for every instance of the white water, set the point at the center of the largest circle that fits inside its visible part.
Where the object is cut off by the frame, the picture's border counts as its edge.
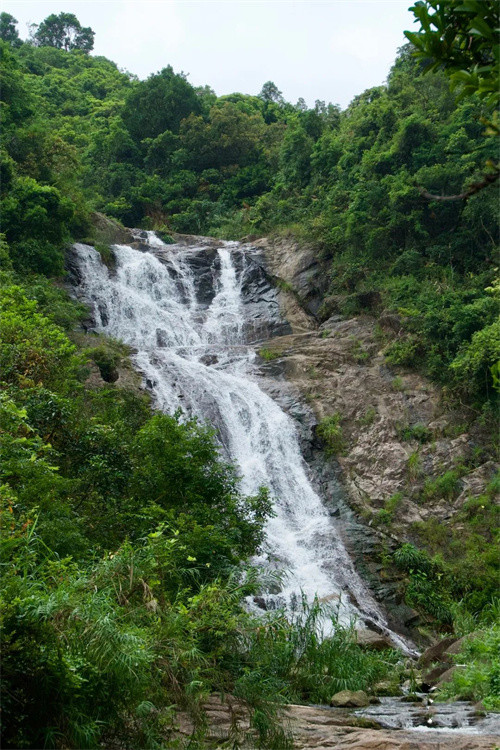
(196, 359)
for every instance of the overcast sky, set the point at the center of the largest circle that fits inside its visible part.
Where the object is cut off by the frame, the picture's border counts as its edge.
(329, 50)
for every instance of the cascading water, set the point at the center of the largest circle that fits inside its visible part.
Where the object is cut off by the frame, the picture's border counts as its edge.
(195, 357)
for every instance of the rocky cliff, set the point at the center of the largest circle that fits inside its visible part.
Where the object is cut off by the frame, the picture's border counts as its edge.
(408, 461)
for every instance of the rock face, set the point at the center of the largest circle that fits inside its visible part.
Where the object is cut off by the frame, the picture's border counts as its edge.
(264, 318)
(396, 432)
(298, 266)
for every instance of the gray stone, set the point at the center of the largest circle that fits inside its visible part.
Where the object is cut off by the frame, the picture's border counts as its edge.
(432, 677)
(436, 651)
(372, 641)
(350, 699)
(448, 675)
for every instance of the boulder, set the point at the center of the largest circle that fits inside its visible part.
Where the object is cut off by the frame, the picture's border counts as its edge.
(412, 698)
(432, 678)
(386, 688)
(350, 699)
(436, 651)
(458, 645)
(448, 675)
(372, 641)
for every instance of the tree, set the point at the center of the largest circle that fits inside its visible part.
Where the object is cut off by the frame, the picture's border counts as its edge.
(461, 37)
(271, 93)
(159, 104)
(64, 32)
(8, 30)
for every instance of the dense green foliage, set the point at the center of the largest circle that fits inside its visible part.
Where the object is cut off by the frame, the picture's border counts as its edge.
(80, 135)
(460, 37)
(126, 539)
(64, 32)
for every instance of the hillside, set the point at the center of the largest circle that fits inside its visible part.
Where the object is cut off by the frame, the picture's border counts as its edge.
(128, 541)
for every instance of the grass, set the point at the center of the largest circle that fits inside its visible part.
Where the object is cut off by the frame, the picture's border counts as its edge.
(330, 432)
(414, 465)
(285, 286)
(359, 353)
(397, 384)
(445, 487)
(313, 668)
(268, 355)
(106, 253)
(385, 514)
(368, 417)
(418, 432)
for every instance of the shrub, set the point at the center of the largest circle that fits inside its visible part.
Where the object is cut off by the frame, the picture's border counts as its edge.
(107, 361)
(479, 678)
(329, 430)
(406, 351)
(418, 432)
(33, 351)
(445, 487)
(368, 417)
(268, 355)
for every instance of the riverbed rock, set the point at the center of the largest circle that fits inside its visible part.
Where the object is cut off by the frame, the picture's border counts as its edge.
(386, 687)
(448, 675)
(322, 728)
(436, 651)
(350, 699)
(432, 678)
(372, 641)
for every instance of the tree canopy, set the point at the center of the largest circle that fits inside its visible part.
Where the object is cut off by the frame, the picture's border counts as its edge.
(461, 37)
(64, 31)
(8, 29)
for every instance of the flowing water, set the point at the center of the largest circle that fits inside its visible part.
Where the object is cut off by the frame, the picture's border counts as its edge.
(195, 355)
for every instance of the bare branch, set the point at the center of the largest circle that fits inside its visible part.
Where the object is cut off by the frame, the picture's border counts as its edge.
(476, 187)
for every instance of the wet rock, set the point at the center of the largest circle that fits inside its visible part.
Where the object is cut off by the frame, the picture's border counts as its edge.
(260, 602)
(350, 699)
(329, 598)
(209, 359)
(432, 678)
(372, 641)
(412, 698)
(161, 338)
(386, 687)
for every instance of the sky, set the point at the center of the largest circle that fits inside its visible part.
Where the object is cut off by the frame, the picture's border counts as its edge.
(330, 50)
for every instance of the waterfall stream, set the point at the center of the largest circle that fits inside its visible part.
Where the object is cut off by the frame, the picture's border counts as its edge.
(194, 354)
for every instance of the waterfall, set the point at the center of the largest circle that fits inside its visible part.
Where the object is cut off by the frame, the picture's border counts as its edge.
(194, 355)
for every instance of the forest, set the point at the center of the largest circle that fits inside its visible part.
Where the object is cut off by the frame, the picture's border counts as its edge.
(126, 539)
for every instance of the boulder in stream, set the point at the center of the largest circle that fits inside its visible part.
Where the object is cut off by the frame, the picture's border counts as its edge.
(350, 699)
